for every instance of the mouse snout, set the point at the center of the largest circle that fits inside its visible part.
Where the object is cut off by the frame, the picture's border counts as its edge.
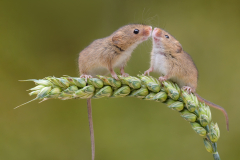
(147, 31)
(157, 32)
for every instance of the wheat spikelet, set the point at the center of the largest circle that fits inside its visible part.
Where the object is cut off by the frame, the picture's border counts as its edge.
(143, 87)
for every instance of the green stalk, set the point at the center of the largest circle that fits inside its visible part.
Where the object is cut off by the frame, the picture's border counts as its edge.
(214, 146)
(143, 87)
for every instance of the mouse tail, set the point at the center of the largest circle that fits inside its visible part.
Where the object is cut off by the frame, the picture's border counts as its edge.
(214, 106)
(90, 120)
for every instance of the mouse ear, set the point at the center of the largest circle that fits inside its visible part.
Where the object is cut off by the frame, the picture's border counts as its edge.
(116, 39)
(179, 48)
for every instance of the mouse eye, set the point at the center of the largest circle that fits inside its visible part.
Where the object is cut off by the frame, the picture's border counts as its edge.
(166, 36)
(136, 31)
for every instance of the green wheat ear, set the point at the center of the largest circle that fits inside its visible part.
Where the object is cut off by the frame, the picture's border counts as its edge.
(143, 87)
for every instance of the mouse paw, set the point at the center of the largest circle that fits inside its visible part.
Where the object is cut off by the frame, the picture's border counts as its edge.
(188, 89)
(148, 71)
(125, 74)
(115, 76)
(85, 76)
(161, 79)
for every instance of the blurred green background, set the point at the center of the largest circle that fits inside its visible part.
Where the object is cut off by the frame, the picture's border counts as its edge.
(43, 38)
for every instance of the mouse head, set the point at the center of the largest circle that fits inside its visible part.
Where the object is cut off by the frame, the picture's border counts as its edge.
(165, 42)
(131, 35)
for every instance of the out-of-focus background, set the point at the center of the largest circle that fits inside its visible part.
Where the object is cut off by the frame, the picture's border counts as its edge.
(43, 38)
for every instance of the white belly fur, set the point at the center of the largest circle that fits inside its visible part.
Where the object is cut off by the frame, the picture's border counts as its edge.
(160, 63)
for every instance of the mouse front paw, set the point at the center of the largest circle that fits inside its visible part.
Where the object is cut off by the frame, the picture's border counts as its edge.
(148, 71)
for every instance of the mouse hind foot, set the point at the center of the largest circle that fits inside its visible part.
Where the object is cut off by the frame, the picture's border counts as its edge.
(85, 76)
(125, 74)
(162, 78)
(188, 89)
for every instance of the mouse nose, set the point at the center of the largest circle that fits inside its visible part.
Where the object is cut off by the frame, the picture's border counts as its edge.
(157, 32)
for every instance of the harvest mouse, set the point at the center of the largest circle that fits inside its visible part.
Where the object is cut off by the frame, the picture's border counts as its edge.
(105, 54)
(169, 59)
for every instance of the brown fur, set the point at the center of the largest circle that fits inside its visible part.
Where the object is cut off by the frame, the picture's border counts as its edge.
(173, 63)
(106, 52)
(179, 65)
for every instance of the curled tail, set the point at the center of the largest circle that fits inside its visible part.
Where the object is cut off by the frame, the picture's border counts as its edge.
(214, 106)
